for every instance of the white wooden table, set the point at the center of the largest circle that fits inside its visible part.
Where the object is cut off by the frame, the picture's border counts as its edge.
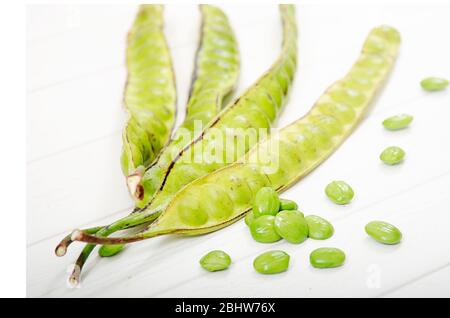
(75, 80)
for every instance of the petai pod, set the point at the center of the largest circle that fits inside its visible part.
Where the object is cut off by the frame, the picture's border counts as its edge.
(215, 75)
(302, 146)
(150, 93)
(253, 112)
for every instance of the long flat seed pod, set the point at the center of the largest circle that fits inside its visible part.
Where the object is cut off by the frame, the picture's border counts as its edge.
(257, 108)
(221, 198)
(215, 75)
(150, 94)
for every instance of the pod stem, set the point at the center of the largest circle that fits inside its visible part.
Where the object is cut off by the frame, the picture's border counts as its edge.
(127, 222)
(61, 248)
(81, 236)
(74, 278)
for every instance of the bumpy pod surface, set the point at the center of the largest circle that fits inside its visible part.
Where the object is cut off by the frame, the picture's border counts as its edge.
(254, 111)
(150, 94)
(215, 75)
(221, 198)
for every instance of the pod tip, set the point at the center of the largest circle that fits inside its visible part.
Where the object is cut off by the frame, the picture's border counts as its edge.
(60, 250)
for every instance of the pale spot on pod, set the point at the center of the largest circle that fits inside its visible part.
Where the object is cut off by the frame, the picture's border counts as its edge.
(317, 135)
(254, 177)
(238, 189)
(301, 144)
(358, 83)
(361, 72)
(347, 96)
(371, 61)
(375, 44)
(344, 113)
(328, 123)
(388, 33)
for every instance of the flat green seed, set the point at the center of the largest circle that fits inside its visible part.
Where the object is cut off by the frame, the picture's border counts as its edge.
(397, 122)
(383, 232)
(249, 217)
(288, 205)
(392, 155)
(327, 257)
(266, 202)
(271, 262)
(434, 84)
(319, 228)
(339, 192)
(263, 229)
(215, 261)
(110, 250)
(291, 225)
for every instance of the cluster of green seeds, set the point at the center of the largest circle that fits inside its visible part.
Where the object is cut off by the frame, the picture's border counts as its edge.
(273, 219)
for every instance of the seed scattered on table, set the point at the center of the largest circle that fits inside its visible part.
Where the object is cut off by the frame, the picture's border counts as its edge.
(433, 84)
(215, 261)
(271, 262)
(327, 257)
(397, 122)
(392, 155)
(383, 232)
(339, 192)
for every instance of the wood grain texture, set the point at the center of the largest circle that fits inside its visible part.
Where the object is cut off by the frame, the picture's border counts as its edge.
(75, 79)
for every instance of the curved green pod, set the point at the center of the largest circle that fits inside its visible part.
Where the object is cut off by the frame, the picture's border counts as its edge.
(215, 75)
(302, 146)
(150, 93)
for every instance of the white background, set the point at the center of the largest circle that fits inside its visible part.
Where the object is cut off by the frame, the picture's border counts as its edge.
(75, 78)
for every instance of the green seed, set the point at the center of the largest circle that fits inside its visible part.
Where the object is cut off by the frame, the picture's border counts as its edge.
(287, 205)
(392, 155)
(434, 84)
(291, 225)
(263, 229)
(215, 261)
(249, 217)
(339, 192)
(384, 232)
(397, 122)
(319, 228)
(327, 257)
(110, 250)
(266, 202)
(271, 262)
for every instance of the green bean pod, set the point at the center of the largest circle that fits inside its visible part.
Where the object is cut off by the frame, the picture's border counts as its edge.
(150, 93)
(215, 75)
(223, 197)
